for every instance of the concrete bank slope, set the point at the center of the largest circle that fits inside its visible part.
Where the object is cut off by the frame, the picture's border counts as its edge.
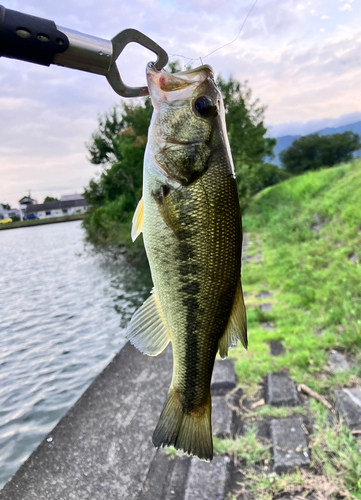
(41, 222)
(102, 448)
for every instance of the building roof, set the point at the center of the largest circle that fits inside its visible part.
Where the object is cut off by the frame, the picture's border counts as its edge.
(53, 205)
(71, 197)
(27, 199)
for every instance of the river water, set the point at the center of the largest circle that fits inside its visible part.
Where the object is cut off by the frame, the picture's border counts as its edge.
(63, 313)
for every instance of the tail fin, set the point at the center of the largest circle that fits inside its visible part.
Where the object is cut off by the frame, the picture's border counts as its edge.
(190, 432)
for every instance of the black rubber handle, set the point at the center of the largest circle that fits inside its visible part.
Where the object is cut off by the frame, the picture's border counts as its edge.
(30, 38)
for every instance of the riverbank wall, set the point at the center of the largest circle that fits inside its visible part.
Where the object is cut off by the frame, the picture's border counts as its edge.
(41, 222)
(102, 448)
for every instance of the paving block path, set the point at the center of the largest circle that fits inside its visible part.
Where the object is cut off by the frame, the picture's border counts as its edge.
(177, 482)
(337, 362)
(222, 418)
(208, 481)
(289, 444)
(276, 348)
(281, 390)
(223, 378)
(183, 478)
(264, 294)
(159, 474)
(349, 405)
(267, 308)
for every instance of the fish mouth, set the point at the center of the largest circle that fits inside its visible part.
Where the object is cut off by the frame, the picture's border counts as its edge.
(164, 86)
(169, 82)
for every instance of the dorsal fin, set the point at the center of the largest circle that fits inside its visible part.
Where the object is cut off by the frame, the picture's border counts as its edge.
(147, 330)
(237, 325)
(137, 226)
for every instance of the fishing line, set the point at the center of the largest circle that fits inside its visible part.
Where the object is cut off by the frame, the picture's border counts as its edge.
(189, 59)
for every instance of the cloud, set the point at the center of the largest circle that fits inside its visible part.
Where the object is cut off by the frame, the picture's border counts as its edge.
(13, 104)
(317, 81)
(47, 114)
(346, 6)
(324, 17)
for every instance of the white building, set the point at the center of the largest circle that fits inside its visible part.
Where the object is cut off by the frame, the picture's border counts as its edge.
(24, 203)
(14, 212)
(68, 205)
(71, 197)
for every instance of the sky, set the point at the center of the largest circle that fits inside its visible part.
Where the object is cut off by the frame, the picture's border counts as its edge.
(302, 60)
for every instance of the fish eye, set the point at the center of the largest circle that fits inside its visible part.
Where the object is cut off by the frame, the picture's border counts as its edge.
(204, 106)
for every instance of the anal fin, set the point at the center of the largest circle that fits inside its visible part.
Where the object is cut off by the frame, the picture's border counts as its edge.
(237, 325)
(147, 329)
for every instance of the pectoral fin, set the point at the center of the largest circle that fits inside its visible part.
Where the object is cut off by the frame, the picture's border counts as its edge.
(147, 330)
(137, 226)
(237, 325)
(161, 197)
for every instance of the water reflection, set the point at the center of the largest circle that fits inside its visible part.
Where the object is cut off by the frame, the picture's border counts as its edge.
(62, 319)
(131, 283)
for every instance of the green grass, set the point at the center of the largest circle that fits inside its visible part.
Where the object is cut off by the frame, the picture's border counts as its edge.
(267, 411)
(314, 284)
(172, 452)
(247, 448)
(335, 451)
(335, 470)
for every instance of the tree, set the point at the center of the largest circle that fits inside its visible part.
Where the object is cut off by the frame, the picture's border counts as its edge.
(246, 133)
(49, 199)
(118, 145)
(265, 175)
(105, 144)
(6, 206)
(314, 151)
(244, 118)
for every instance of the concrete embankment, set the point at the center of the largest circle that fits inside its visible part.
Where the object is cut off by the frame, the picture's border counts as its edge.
(41, 222)
(102, 448)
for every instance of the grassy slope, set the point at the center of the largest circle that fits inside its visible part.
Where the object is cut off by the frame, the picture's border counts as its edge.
(314, 284)
(316, 307)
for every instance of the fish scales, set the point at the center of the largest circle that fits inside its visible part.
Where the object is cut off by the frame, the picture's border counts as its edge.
(191, 225)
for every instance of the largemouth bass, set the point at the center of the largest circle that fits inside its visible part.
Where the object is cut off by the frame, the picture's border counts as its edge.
(191, 224)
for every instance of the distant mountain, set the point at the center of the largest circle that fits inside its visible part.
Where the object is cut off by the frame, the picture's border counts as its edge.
(352, 127)
(285, 141)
